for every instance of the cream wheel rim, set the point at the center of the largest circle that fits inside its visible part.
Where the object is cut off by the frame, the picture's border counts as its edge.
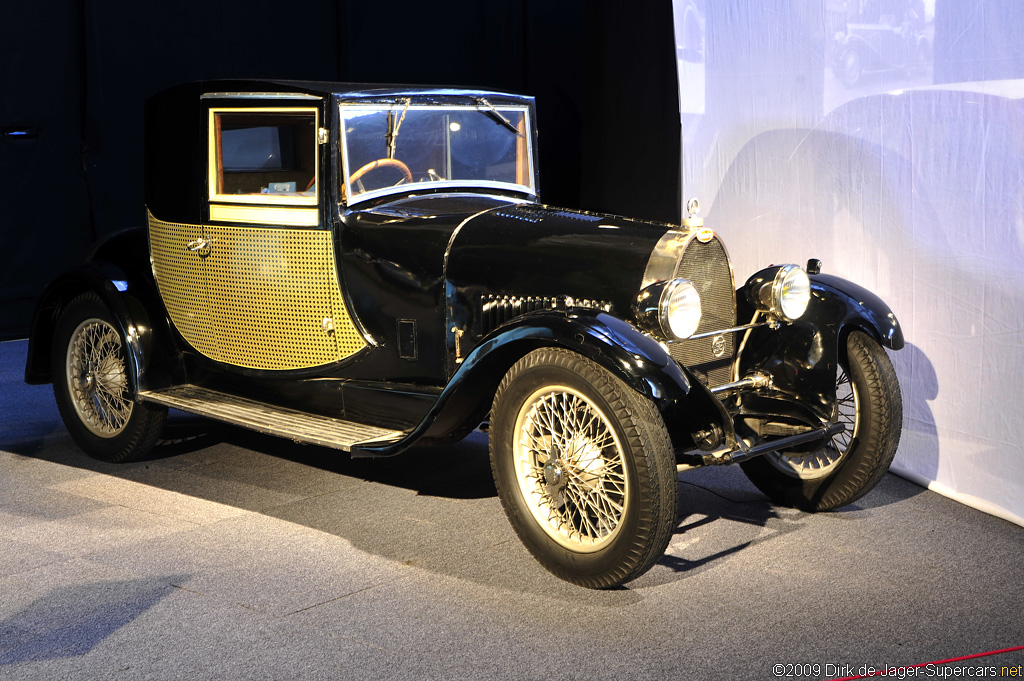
(96, 378)
(570, 467)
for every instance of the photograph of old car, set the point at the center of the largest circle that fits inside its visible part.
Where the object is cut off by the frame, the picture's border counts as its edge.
(884, 40)
(370, 268)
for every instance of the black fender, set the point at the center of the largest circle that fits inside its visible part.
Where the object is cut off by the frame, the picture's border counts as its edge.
(860, 308)
(802, 357)
(130, 296)
(642, 363)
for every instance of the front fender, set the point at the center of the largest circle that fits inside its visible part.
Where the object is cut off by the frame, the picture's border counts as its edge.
(855, 306)
(802, 357)
(642, 363)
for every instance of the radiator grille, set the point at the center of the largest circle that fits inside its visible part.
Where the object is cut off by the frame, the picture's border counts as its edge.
(707, 266)
(255, 297)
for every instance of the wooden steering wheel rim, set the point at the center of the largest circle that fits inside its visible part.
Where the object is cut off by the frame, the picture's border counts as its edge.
(382, 163)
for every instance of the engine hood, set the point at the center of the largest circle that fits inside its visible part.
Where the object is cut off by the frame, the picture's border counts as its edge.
(536, 257)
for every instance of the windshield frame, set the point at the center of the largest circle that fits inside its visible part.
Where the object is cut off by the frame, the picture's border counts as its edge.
(483, 107)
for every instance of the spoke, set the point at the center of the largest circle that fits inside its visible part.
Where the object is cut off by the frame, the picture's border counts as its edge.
(537, 444)
(842, 379)
(584, 521)
(96, 378)
(586, 506)
(594, 503)
(110, 408)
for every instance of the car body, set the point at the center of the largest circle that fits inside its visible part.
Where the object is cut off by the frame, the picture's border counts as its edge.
(370, 268)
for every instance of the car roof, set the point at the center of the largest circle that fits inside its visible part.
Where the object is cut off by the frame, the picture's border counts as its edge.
(176, 132)
(348, 91)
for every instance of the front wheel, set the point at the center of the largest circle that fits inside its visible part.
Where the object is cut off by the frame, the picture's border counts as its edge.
(92, 382)
(584, 469)
(850, 464)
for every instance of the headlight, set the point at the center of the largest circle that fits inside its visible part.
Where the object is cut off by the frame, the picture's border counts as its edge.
(783, 291)
(669, 308)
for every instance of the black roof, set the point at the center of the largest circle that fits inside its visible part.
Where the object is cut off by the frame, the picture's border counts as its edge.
(326, 89)
(175, 139)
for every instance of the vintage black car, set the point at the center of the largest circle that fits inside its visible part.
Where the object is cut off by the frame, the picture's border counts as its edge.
(370, 268)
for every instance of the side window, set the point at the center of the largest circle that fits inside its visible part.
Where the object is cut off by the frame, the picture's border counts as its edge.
(262, 157)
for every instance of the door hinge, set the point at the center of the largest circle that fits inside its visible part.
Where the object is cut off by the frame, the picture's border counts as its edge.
(458, 344)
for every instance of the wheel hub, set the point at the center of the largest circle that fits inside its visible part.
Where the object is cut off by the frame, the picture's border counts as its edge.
(569, 464)
(554, 473)
(96, 378)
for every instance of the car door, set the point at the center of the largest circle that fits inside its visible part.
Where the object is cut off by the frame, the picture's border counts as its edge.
(256, 285)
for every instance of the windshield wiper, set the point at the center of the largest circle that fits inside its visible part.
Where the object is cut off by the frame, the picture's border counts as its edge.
(497, 115)
(392, 135)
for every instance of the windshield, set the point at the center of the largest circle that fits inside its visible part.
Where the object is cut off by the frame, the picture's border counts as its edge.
(386, 147)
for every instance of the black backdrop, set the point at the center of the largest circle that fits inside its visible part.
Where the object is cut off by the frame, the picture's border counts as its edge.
(76, 74)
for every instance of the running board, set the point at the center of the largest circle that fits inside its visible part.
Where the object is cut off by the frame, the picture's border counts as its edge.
(271, 419)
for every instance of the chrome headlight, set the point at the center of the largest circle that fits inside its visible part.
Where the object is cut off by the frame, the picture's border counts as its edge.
(782, 291)
(669, 308)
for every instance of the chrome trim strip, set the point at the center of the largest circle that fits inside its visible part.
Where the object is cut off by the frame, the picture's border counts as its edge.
(259, 95)
(708, 334)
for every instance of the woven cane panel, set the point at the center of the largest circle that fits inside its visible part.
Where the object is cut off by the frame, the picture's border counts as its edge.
(179, 276)
(267, 294)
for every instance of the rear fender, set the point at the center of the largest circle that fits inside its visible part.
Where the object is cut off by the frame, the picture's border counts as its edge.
(136, 314)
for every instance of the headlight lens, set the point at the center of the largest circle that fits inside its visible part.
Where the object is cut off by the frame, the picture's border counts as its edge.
(783, 291)
(791, 292)
(679, 309)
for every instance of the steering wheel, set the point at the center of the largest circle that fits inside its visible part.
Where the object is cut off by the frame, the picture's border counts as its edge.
(382, 163)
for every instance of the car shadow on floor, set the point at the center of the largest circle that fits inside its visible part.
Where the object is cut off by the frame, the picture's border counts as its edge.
(433, 508)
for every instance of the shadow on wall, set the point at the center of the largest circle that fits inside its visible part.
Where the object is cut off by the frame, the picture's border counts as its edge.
(919, 448)
(916, 195)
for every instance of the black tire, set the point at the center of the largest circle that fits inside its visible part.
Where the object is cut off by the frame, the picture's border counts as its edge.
(851, 464)
(584, 469)
(92, 382)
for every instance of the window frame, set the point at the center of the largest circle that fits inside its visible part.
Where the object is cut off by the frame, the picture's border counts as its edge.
(277, 209)
(527, 141)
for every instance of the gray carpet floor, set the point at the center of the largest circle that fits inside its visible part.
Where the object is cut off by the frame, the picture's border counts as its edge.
(229, 555)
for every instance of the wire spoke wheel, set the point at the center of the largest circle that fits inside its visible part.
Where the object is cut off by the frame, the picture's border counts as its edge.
(94, 384)
(846, 467)
(96, 378)
(570, 468)
(822, 463)
(584, 468)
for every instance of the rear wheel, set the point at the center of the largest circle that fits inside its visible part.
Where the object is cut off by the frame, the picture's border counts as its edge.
(92, 382)
(584, 469)
(870, 404)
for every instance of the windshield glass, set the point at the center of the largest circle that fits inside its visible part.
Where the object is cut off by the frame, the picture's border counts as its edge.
(386, 147)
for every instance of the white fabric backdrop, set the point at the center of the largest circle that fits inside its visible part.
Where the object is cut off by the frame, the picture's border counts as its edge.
(910, 188)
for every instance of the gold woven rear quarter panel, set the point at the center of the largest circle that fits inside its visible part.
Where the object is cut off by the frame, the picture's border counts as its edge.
(257, 297)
